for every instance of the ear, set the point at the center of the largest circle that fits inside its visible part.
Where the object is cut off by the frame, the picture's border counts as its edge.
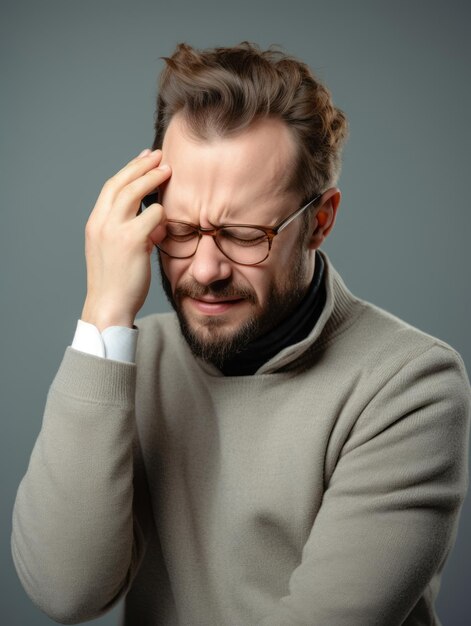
(325, 217)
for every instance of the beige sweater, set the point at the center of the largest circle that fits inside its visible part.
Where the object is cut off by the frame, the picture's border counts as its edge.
(324, 490)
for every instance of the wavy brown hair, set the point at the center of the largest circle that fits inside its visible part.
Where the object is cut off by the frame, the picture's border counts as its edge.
(222, 91)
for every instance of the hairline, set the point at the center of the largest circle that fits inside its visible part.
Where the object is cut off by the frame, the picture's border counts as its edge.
(193, 133)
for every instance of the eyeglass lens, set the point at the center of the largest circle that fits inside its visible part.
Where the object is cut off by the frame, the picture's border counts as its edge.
(241, 244)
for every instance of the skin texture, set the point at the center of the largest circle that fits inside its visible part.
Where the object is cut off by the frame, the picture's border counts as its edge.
(222, 305)
(119, 243)
(240, 179)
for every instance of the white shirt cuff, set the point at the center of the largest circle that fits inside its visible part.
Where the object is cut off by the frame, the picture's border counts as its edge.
(115, 342)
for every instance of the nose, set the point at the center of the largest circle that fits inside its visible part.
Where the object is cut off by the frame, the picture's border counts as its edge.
(209, 264)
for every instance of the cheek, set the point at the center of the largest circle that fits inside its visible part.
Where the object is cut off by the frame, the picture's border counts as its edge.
(259, 278)
(285, 246)
(173, 269)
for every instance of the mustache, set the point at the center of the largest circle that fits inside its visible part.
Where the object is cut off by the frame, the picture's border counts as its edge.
(220, 289)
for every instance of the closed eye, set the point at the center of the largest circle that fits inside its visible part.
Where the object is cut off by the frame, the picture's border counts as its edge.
(181, 232)
(243, 236)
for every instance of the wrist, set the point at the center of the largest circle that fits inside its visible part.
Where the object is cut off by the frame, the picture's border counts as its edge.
(102, 317)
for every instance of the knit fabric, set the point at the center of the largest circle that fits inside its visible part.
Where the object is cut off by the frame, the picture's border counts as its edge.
(324, 490)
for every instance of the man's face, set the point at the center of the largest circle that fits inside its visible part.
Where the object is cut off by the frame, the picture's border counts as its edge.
(223, 305)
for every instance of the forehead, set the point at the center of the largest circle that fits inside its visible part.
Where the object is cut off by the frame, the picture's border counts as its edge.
(222, 176)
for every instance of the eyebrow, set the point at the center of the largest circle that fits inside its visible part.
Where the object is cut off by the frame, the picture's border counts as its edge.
(154, 198)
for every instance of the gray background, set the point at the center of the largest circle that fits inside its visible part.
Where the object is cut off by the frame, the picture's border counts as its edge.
(78, 83)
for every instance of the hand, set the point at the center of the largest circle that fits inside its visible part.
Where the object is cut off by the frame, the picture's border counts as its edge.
(119, 243)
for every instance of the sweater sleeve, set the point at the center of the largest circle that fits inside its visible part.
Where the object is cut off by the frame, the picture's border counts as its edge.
(77, 539)
(390, 509)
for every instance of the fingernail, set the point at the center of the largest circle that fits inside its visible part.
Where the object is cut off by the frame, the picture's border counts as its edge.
(145, 152)
(164, 166)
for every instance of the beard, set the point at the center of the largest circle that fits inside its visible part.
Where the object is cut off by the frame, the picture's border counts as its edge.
(214, 343)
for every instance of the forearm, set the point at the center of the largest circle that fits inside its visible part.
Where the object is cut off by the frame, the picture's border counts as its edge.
(73, 525)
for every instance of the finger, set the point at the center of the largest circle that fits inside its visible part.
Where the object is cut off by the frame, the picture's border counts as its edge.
(158, 234)
(130, 197)
(134, 169)
(151, 223)
(145, 152)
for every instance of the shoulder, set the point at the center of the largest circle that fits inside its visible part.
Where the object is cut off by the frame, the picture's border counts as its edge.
(394, 358)
(385, 357)
(409, 393)
(412, 384)
(386, 337)
(373, 336)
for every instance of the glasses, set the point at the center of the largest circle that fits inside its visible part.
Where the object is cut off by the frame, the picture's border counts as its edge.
(245, 244)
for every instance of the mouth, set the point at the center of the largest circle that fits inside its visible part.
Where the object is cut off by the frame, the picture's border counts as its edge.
(209, 305)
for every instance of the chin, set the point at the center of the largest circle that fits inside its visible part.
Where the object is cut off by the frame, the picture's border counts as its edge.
(214, 340)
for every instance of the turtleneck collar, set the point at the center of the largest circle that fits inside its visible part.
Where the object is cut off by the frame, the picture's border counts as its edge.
(292, 330)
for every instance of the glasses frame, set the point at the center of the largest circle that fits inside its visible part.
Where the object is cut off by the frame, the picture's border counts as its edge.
(270, 231)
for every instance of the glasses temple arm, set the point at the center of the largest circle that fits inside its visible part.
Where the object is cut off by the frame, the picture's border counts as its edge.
(297, 213)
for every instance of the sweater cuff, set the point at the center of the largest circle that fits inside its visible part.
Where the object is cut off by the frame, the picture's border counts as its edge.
(94, 379)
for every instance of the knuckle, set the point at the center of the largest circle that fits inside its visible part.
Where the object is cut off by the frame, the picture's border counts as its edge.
(95, 231)
(90, 228)
(127, 193)
(109, 184)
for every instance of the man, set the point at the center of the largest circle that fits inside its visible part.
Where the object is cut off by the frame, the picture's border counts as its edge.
(278, 452)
